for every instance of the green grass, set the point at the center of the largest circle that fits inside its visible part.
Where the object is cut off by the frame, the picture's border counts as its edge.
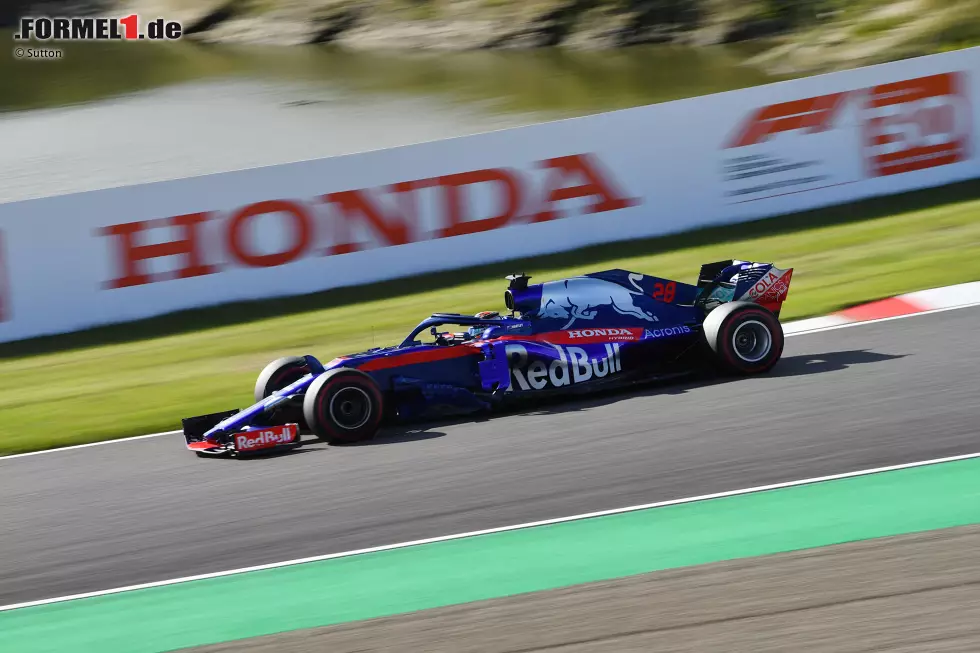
(879, 26)
(959, 29)
(143, 377)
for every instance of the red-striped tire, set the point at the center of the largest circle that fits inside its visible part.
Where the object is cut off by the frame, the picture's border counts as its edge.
(277, 375)
(343, 406)
(744, 338)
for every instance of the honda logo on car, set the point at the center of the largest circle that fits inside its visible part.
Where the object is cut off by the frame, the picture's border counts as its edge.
(574, 365)
(614, 334)
(266, 438)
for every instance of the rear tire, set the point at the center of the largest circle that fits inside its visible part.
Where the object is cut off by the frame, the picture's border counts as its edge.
(744, 338)
(277, 375)
(343, 406)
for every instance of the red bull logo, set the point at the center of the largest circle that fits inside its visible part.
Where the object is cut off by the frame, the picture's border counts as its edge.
(266, 438)
(573, 365)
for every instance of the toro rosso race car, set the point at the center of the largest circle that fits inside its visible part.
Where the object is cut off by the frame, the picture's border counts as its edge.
(580, 334)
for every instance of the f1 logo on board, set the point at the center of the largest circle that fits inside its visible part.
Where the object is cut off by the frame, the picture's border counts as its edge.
(764, 158)
(917, 124)
(266, 438)
(573, 365)
(907, 125)
(814, 114)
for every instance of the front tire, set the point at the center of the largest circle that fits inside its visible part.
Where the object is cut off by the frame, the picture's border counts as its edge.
(343, 406)
(277, 375)
(745, 338)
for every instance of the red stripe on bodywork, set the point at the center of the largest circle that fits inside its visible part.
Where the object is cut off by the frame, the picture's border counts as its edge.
(414, 357)
(876, 310)
(576, 336)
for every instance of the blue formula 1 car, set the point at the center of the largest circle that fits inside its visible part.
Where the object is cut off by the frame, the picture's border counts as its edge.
(573, 335)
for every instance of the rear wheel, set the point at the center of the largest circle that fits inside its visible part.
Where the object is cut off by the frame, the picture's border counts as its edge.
(744, 338)
(277, 375)
(343, 406)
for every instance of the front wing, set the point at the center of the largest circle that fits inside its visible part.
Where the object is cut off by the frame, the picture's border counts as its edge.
(249, 440)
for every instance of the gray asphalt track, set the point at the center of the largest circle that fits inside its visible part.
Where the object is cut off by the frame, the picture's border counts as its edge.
(146, 510)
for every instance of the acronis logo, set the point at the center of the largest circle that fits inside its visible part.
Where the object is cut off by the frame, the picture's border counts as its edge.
(663, 333)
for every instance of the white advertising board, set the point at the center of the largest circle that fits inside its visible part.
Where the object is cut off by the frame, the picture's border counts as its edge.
(76, 261)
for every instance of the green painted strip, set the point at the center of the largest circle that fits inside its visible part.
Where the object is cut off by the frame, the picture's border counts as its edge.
(501, 564)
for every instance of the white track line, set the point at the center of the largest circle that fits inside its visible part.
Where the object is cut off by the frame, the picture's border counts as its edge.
(789, 334)
(488, 531)
(90, 444)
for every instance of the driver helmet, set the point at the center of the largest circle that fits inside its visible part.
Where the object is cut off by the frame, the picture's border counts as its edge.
(475, 331)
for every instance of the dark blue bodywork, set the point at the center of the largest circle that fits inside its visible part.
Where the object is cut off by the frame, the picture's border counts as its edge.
(606, 328)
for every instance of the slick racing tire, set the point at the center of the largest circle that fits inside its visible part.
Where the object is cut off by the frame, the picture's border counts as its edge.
(344, 406)
(277, 375)
(744, 338)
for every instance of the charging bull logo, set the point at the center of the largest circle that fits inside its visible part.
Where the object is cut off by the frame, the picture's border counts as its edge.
(573, 365)
(580, 299)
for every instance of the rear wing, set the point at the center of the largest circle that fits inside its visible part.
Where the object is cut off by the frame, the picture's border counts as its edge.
(734, 280)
